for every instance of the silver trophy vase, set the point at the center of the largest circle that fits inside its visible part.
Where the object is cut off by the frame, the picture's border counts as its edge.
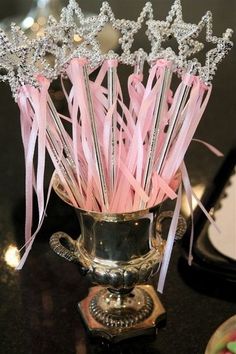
(119, 253)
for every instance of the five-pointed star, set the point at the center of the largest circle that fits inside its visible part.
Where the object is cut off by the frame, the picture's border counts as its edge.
(128, 30)
(16, 59)
(161, 31)
(215, 55)
(75, 35)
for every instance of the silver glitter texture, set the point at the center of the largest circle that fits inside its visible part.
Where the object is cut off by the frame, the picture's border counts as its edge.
(16, 59)
(22, 59)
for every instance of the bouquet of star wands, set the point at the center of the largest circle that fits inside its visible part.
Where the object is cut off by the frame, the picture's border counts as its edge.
(118, 155)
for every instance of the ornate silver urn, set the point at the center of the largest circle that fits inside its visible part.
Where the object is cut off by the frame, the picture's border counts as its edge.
(120, 253)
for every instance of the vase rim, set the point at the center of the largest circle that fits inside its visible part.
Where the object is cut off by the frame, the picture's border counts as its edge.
(106, 216)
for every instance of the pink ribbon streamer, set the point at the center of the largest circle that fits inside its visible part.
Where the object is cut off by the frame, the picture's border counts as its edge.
(133, 126)
(190, 195)
(29, 243)
(169, 243)
(32, 103)
(210, 147)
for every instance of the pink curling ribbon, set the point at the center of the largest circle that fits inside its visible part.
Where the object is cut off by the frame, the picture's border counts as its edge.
(29, 243)
(135, 157)
(82, 138)
(210, 147)
(31, 127)
(136, 90)
(32, 103)
(132, 141)
(169, 242)
(190, 195)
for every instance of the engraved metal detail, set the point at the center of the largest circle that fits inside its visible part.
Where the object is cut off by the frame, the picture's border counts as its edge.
(117, 275)
(121, 311)
(181, 226)
(62, 251)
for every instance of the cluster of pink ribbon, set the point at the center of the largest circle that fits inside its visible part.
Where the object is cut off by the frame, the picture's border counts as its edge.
(111, 142)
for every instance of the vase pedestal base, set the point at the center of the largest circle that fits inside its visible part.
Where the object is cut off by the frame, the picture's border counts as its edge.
(117, 317)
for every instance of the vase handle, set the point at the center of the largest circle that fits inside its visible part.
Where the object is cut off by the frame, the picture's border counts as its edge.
(181, 226)
(60, 249)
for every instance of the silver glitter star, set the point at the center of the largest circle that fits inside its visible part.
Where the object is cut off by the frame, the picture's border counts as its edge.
(16, 59)
(162, 31)
(128, 29)
(213, 56)
(75, 35)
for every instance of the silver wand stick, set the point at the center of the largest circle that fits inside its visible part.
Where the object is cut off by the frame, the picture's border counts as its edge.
(112, 94)
(138, 70)
(66, 143)
(174, 120)
(98, 156)
(65, 169)
(155, 131)
(63, 163)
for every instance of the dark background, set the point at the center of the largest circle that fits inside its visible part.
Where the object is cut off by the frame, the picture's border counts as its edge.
(38, 305)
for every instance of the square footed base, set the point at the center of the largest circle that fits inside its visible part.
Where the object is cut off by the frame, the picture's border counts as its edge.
(145, 327)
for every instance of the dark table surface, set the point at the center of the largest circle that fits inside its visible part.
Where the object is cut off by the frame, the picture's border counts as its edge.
(38, 304)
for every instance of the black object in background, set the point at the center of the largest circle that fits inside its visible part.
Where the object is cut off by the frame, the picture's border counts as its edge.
(211, 264)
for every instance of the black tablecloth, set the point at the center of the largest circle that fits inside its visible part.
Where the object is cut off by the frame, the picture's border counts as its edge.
(38, 305)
